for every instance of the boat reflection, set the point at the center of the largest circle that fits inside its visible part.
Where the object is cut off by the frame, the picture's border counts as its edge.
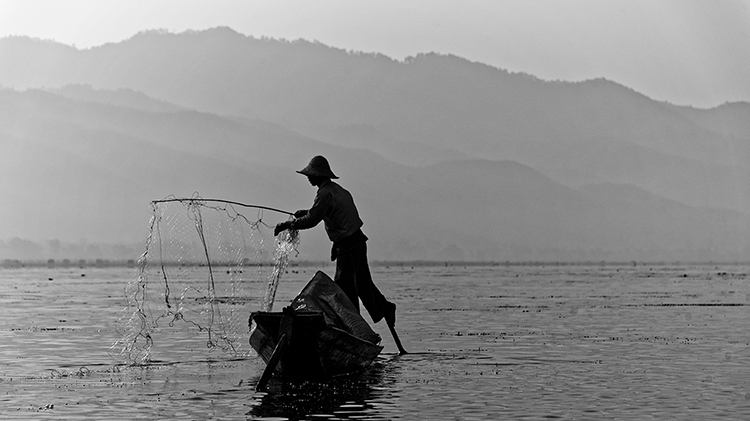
(355, 396)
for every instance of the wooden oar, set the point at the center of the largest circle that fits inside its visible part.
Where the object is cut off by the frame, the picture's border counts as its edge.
(390, 320)
(401, 350)
(285, 329)
(277, 352)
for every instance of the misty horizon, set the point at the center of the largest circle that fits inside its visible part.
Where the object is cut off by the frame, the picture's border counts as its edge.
(686, 52)
(448, 159)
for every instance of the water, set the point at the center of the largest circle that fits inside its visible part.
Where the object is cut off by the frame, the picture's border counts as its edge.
(516, 342)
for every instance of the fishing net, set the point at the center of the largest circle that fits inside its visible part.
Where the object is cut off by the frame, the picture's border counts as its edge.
(205, 268)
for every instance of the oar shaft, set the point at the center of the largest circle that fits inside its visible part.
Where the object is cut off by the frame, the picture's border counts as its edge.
(401, 350)
(272, 362)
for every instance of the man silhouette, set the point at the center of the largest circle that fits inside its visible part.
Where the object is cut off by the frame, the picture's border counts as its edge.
(334, 206)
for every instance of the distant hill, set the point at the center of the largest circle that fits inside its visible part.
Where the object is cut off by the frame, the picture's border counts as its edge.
(122, 97)
(447, 159)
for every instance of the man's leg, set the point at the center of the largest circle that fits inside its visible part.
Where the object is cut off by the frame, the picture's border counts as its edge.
(373, 300)
(345, 277)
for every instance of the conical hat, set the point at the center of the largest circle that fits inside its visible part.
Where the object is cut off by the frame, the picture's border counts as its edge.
(318, 167)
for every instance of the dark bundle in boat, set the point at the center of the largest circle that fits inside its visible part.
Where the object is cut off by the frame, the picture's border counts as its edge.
(321, 334)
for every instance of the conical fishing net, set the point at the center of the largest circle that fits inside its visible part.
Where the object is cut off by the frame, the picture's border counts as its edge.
(205, 268)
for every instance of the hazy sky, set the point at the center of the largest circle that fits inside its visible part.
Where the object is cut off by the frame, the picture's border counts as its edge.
(688, 52)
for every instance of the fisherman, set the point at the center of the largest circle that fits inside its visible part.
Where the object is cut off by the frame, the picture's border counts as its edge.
(335, 207)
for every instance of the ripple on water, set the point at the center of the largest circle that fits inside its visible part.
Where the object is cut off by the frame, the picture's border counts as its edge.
(570, 342)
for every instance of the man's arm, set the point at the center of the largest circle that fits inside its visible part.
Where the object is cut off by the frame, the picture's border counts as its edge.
(307, 218)
(313, 216)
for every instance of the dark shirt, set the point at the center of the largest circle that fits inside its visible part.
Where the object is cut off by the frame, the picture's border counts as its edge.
(335, 207)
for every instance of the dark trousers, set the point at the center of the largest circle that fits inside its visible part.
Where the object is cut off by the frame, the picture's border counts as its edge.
(353, 276)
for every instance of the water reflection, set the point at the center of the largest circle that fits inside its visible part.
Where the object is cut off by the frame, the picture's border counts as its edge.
(350, 397)
(553, 343)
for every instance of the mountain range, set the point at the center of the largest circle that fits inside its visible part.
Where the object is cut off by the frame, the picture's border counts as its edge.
(447, 159)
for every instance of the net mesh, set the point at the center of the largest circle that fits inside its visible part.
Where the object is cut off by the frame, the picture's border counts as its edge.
(205, 267)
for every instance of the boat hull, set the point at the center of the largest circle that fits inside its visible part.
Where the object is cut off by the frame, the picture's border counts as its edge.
(321, 334)
(313, 349)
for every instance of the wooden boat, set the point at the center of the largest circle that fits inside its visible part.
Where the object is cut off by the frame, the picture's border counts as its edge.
(321, 334)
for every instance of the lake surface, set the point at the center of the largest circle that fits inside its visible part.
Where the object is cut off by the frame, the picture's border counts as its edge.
(486, 342)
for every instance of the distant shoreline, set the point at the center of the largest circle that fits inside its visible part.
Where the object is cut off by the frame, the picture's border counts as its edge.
(133, 263)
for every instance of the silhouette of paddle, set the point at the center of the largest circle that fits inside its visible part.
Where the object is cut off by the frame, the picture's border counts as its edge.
(401, 350)
(390, 320)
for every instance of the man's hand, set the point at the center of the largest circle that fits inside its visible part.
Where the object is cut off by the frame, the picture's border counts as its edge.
(281, 226)
(300, 213)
